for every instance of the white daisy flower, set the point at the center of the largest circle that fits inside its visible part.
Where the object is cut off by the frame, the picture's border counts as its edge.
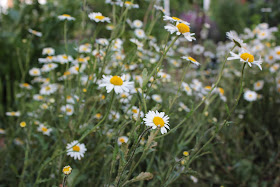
(67, 170)
(246, 57)
(115, 116)
(48, 89)
(117, 83)
(49, 67)
(277, 52)
(76, 150)
(48, 51)
(184, 107)
(135, 112)
(98, 17)
(140, 33)
(85, 48)
(258, 85)
(102, 41)
(36, 33)
(26, 86)
(137, 24)
(270, 59)
(159, 8)
(180, 29)
(68, 109)
(122, 139)
(198, 49)
(157, 98)
(164, 76)
(187, 88)
(232, 35)
(156, 119)
(17, 113)
(138, 44)
(274, 68)
(174, 19)
(38, 97)
(66, 17)
(250, 96)
(191, 59)
(63, 59)
(35, 72)
(46, 131)
(127, 4)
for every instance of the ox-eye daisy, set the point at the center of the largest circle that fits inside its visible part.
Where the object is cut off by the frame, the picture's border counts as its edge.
(156, 119)
(191, 59)
(46, 131)
(66, 17)
(48, 51)
(250, 96)
(117, 83)
(68, 109)
(76, 149)
(35, 72)
(180, 29)
(232, 35)
(174, 19)
(98, 17)
(258, 85)
(67, 170)
(245, 56)
(36, 33)
(13, 113)
(122, 139)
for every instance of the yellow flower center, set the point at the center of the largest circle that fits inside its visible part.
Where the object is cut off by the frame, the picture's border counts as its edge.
(66, 15)
(22, 124)
(13, 113)
(270, 57)
(44, 129)
(65, 57)
(116, 80)
(222, 91)
(278, 52)
(76, 148)
(158, 121)
(66, 73)
(35, 71)
(66, 170)
(69, 97)
(48, 88)
(50, 57)
(122, 140)
(186, 153)
(98, 115)
(258, 84)
(99, 17)
(247, 56)
(187, 88)
(191, 59)
(183, 28)
(77, 68)
(134, 111)
(25, 84)
(68, 110)
(175, 18)
(128, 3)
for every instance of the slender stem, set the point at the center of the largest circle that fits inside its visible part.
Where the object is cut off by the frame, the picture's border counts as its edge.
(180, 86)
(201, 102)
(139, 139)
(159, 63)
